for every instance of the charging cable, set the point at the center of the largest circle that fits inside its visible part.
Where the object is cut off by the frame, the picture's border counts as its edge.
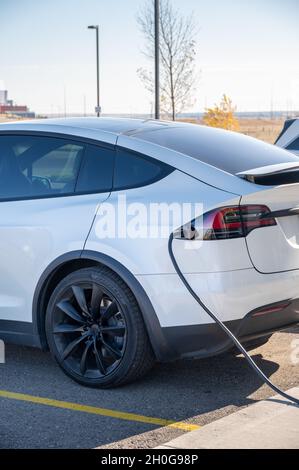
(251, 362)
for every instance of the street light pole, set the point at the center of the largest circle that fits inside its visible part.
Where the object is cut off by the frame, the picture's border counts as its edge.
(98, 107)
(157, 60)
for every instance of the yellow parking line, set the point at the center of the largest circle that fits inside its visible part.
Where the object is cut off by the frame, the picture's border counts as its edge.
(98, 411)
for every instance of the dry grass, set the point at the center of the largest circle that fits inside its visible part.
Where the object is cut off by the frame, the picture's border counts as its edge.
(263, 129)
(10, 117)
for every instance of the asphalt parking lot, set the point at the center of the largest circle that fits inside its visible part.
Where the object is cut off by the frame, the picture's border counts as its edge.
(195, 392)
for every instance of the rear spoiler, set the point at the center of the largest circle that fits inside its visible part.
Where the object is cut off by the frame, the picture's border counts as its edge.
(266, 172)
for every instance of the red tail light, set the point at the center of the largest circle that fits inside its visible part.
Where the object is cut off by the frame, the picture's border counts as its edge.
(232, 222)
(277, 307)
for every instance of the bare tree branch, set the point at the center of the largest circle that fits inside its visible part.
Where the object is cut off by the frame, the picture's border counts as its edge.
(177, 53)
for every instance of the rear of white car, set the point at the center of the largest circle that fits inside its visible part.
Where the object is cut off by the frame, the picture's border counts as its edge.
(239, 250)
(246, 267)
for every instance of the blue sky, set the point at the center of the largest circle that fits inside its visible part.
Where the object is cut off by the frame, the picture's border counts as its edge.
(248, 49)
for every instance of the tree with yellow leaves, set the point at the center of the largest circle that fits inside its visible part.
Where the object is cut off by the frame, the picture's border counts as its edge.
(222, 115)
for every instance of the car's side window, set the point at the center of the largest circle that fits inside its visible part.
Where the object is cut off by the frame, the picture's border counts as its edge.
(37, 166)
(133, 170)
(97, 170)
(294, 145)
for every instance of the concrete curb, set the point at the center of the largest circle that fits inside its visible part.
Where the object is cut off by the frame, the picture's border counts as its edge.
(268, 424)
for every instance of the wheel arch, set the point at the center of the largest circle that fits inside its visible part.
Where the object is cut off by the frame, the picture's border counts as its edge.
(75, 260)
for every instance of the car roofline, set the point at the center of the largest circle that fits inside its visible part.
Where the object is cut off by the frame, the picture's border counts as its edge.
(84, 132)
(129, 140)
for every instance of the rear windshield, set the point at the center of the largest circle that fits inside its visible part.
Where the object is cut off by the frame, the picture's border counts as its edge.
(228, 151)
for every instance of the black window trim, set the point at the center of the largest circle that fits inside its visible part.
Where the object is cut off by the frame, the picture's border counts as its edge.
(165, 169)
(112, 148)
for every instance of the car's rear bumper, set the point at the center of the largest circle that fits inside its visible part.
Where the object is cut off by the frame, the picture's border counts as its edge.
(196, 341)
(229, 294)
(185, 329)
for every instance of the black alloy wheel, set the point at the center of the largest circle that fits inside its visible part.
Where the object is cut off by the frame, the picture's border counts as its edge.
(95, 330)
(91, 330)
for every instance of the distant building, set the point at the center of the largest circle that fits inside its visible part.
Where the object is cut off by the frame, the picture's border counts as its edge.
(3, 97)
(8, 107)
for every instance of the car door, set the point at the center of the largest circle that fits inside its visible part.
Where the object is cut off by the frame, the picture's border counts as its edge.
(46, 210)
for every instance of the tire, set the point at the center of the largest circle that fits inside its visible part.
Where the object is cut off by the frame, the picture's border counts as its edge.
(95, 329)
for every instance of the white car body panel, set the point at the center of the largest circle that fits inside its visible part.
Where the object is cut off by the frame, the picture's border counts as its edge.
(274, 249)
(33, 233)
(230, 295)
(155, 259)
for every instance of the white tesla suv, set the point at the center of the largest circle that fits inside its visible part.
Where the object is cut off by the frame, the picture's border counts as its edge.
(86, 210)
